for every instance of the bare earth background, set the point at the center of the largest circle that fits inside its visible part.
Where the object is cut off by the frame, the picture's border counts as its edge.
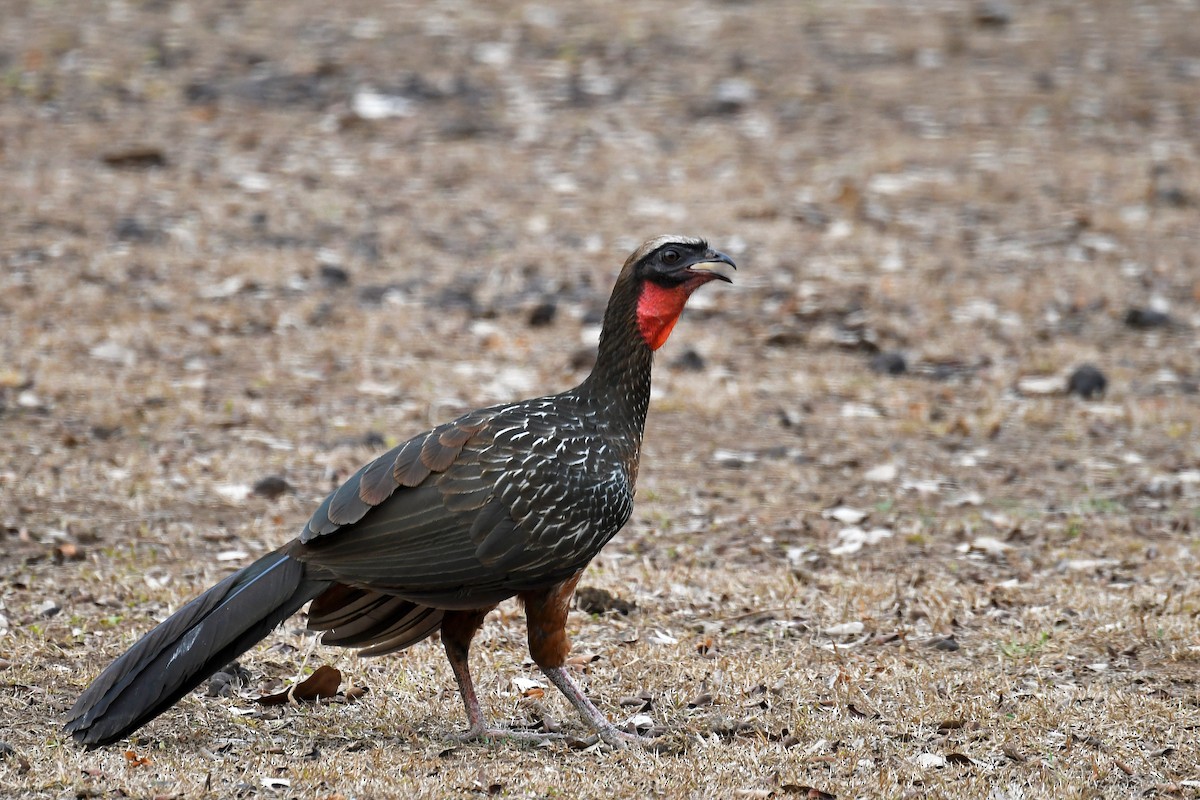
(245, 240)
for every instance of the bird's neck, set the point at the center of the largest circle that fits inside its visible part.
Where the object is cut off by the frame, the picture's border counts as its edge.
(620, 381)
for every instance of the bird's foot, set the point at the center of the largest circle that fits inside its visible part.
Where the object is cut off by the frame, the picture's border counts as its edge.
(477, 733)
(619, 740)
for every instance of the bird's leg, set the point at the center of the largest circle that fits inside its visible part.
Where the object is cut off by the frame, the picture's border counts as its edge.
(458, 629)
(546, 613)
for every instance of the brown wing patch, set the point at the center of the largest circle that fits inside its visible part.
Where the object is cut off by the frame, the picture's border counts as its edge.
(408, 469)
(444, 444)
(378, 482)
(346, 506)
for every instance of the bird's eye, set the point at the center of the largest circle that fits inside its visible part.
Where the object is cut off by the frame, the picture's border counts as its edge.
(670, 257)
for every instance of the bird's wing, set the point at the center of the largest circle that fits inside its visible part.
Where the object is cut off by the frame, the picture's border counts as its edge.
(471, 512)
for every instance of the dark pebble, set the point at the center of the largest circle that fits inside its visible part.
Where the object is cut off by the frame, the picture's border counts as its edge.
(690, 361)
(333, 276)
(542, 314)
(131, 229)
(271, 487)
(889, 363)
(949, 644)
(374, 440)
(992, 14)
(230, 676)
(1146, 318)
(135, 158)
(1087, 381)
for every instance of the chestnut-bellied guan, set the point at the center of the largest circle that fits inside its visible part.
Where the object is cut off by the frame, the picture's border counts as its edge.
(432, 535)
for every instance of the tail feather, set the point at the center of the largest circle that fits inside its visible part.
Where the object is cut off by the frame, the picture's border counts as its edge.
(190, 645)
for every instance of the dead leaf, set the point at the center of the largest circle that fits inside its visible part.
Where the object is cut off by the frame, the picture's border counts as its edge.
(484, 784)
(354, 693)
(807, 791)
(642, 701)
(132, 759)
(322, 683)
(67, 552)
(135, 157)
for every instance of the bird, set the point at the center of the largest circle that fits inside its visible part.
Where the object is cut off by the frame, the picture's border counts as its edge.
(510, 500)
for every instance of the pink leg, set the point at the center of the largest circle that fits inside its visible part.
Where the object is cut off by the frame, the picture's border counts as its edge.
(458, 629)
(546, 612)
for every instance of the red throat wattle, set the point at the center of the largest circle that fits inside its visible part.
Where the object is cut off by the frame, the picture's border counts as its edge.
(658, 310)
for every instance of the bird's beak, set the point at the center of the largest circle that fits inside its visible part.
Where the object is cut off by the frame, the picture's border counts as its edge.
(716, 264)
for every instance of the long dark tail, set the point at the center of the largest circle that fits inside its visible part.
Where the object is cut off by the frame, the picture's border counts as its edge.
(190, 645)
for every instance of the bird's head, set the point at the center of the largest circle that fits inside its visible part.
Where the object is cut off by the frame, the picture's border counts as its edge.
(666, 270)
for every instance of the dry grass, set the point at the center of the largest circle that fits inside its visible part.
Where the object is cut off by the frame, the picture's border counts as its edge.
(990, 201)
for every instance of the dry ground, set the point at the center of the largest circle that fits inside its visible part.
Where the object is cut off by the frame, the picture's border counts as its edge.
(241, 240)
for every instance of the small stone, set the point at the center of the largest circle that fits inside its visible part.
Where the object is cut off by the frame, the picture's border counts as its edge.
(1087, 381)
(225, 680)
(333, 276)
(131, 229)
(137, 157)
(543, 314)
(47, 608)
(733, 94)
(1146, 318)
(690, 361)
(271, 487)
(889, 363)
(993, 14)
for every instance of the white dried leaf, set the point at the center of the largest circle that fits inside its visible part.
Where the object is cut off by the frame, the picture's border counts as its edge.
(662, 637)
(156, 577)
(233, 492)
(850, 516)
(376, 389)
(372, 105)
(923, 487)
(845, 629)
(524, 684)
(734, 458)
(990, 545)
(641, 721)
(226, 288)
(232, 555)
(884, 473)
(931, 761)
(965, 499)
(28, 399)
(275, 784)
(851, 540)
(113, 353)
(1039, 385)
(1085, 564)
